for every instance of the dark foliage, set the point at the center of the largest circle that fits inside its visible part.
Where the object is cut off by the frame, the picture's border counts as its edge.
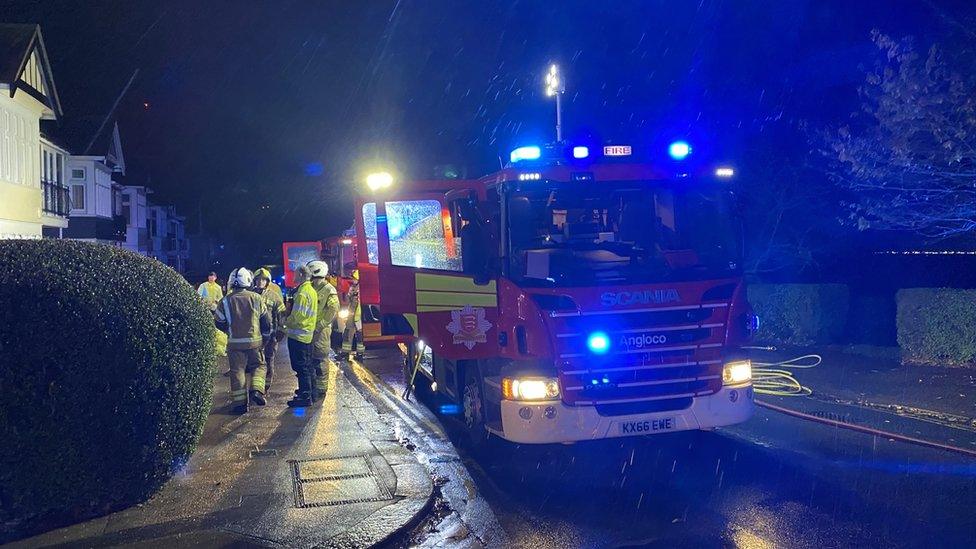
(800, 314)
(937, 326)
(106, 359)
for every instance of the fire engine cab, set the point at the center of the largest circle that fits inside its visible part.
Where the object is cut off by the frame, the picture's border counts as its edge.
(576, 294)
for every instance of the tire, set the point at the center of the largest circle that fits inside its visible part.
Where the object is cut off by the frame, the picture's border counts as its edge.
(473, 407)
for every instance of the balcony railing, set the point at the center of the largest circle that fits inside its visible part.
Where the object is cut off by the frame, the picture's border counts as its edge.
(56, 199)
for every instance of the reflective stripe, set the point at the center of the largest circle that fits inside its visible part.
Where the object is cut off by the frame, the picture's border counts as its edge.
(299, 331)
(244, 340)
(227, 315)
(304, 309)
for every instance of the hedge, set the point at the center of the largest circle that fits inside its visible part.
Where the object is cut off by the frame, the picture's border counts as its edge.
(106, 365)
(800, 314)
(937, 326)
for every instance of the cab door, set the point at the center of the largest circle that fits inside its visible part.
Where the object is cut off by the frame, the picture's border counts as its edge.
(421, 277)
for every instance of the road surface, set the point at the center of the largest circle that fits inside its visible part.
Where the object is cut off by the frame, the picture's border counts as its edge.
(774, 482)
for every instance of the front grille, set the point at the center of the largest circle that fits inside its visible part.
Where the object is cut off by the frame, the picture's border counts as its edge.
(656, 359)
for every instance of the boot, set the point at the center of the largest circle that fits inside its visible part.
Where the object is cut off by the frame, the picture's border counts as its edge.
(258, 398)
(300, 401)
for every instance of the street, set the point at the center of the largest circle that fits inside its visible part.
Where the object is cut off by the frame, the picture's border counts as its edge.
(775, 481)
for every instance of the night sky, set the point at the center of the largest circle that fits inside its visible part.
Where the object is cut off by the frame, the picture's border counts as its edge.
(262, 116)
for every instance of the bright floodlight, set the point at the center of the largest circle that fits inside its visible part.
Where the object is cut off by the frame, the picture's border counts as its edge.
(380, 180)
(581, 152)
(724, 172)
(679, 150)
(526, 153)
(554, 84)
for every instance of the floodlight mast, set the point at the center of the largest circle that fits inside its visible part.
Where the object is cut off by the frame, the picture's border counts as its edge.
(556, 87)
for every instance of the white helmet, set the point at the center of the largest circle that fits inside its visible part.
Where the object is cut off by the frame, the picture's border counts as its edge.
(319, 269)
(302, 274)
(240, 278)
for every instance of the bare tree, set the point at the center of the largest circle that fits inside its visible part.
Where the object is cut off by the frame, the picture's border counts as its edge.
(909, 157)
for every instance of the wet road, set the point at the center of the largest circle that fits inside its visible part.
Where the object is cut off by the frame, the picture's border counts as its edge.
(773, 482)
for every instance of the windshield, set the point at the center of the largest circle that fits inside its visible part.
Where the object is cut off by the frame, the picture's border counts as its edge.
(623, 233)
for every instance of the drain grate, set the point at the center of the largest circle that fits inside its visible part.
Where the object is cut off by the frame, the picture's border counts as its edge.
(343, 480)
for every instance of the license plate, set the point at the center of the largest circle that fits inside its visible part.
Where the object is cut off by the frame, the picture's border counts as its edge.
(647, 426)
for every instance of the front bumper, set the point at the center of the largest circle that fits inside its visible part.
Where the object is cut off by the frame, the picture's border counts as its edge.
(552, 421)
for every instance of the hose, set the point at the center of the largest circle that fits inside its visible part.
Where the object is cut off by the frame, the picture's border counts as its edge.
(776, 378)
(868, 430)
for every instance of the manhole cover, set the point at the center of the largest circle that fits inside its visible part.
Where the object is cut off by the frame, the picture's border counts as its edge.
(336, 481)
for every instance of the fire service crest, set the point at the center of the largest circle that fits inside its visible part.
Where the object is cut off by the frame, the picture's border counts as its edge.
(469, 326)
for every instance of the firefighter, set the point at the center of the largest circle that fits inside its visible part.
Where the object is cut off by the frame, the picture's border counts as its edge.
(245, 318)
(211, 293)
(328, 301)
(300, 326)
(275, 303)
(352, 338)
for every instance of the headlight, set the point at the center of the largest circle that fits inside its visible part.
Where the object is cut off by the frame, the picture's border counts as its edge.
(530, 388)
(343, 313)
(736, 373)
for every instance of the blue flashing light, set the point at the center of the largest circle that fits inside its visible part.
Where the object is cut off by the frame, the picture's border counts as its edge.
(679, 150)
(581, 152)
(598, 343)
(526, 153)
(450, 409)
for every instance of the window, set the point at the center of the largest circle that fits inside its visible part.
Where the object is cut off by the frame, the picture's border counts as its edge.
(421, 235)
(369, 225)
(77, 173)
(78, 197)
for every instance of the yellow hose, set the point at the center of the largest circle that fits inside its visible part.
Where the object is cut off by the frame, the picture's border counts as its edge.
(776, 378)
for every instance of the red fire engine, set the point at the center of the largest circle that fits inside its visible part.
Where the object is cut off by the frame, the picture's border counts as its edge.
(571, 295)
(340, 253)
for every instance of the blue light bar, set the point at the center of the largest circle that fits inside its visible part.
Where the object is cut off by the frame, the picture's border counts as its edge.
(679, 150)
(581, 152)
(526, 153)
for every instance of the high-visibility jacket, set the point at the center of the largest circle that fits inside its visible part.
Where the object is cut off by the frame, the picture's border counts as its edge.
(211, 293)
(300, 324)
(246, 319)
(328, 308)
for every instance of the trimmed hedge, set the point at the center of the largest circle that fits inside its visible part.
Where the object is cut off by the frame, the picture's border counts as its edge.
(937, 326)
(106, 365)
(800, 314)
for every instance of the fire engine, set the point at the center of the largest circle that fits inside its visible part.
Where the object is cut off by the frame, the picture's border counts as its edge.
(340, 253)
(575, 294)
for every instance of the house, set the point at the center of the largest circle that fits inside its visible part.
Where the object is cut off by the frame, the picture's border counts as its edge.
(55, 200)
(97, 208)
(136, 215)
(30, 189)
(167, 237)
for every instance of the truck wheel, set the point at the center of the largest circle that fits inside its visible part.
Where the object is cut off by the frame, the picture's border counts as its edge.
(473, 401)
